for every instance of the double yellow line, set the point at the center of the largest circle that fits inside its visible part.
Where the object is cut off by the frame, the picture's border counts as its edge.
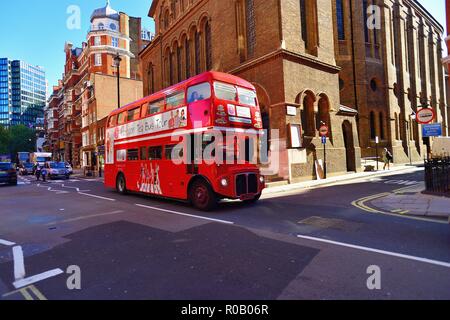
(361, 204)
(29, 293)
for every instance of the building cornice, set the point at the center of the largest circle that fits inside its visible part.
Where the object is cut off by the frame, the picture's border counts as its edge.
(110, 50)
(288, 55)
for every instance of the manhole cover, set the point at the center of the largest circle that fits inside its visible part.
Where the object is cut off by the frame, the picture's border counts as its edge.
(327, 223)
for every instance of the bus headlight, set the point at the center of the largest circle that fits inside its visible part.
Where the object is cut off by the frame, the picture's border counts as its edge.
(224, 182)
(261, 179)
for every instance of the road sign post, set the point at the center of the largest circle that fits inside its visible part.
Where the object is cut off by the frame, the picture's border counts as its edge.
(377, 141)
(323, 130)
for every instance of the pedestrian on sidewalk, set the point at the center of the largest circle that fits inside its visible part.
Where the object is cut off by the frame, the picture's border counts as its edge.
(387, 158)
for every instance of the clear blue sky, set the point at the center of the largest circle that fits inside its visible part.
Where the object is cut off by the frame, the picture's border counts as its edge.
(35, 31)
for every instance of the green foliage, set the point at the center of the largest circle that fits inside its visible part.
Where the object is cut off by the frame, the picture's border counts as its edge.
(17, 139)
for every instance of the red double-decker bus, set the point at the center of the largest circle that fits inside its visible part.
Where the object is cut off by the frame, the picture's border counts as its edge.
(157, 145)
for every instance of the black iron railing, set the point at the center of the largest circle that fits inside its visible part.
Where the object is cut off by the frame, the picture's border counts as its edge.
(437, 176)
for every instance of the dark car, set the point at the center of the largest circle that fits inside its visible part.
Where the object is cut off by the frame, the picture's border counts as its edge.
(26, 169)
(56, 170)
(8, 173)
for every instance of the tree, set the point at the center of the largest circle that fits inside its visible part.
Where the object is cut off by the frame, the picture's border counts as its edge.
(23, 139)
(4, 140)
(17, 139)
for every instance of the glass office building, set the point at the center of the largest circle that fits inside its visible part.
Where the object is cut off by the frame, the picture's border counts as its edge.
(22, 93)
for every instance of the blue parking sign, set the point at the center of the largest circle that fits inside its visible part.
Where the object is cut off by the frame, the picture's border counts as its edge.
(324, 140)
(432, 130)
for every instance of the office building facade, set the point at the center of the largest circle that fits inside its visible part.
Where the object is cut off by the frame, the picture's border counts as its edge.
(22, 93)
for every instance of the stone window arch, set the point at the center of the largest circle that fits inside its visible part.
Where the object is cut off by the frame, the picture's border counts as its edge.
(150, 79)
(309, 25)
(373, 128)
(307, 114)
(323, 115)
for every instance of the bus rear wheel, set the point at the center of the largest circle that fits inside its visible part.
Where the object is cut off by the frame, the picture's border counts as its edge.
(203, 196)
(121, 184)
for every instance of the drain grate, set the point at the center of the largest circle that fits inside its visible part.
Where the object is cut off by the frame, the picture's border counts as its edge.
(328, 223)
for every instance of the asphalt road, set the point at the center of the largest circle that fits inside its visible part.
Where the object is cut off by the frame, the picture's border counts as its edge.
(313, 244)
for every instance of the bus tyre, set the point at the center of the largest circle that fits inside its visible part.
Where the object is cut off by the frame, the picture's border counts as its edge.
(203, 196)
(254, 200)
(121, 184)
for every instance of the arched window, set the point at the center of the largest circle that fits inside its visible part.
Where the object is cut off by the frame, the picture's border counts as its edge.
(340, 19)
(309, 25)
(179, 65)
(197, 52)
(397, 127)
(365, 17)
(324, 113)
(208, 46)
(171, 66)
(246, 28)
(167, 68)
(150, 79)
(373, 130)
(382, 132)
(166, 19)
(251, 28)
(308, 115)
(187, 48)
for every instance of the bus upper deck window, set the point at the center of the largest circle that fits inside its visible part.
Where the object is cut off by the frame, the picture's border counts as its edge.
(199, 92)
(112, 121)
(247, 97)
(225, 91)
(122, 118)
(156, 107)
(175, 100)
(134, 114)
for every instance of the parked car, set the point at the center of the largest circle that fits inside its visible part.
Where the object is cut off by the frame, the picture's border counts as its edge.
(57, 170)
(8, 173)
(26, 169)
(69, 168)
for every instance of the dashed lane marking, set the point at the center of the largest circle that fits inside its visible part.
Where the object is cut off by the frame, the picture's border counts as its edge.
(37, 278)
(6, 243)
(85, 217)
(383, 252)
(184, 214)
(95, 196)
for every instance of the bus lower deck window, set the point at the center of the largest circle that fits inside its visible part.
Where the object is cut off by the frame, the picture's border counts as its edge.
(133, 155)
(155, 153)
(174, 152)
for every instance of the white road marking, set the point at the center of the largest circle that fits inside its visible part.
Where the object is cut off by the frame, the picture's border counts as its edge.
(402, 182)
(19, 264)
(94, 196)
(85, 217)
(77, 189)
(185, 214)
(39, 277)
(6, 243)
(383, 252)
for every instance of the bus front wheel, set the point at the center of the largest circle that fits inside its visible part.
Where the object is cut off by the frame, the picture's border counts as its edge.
(121, 185)
(203, 196)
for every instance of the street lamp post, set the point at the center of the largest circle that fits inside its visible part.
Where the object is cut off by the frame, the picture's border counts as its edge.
(117, 60)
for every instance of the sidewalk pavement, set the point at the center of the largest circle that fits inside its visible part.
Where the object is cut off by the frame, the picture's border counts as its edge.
(79, 173)
(271, 190)
(411, 201)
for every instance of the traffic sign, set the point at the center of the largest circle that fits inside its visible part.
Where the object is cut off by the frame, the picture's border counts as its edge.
(324, 140)
(432, 130)
(425, 116)
(323, 130)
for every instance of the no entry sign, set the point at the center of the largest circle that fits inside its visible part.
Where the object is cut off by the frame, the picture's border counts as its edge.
(425, 116)
(323, 130)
